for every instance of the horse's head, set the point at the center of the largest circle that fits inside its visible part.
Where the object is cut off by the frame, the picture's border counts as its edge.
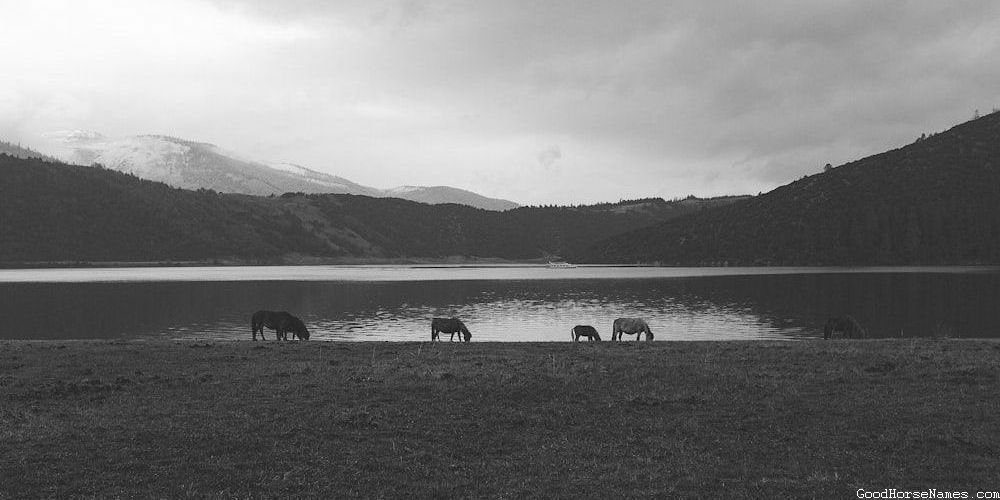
(299, 328)
(597, 336)
(465, 332)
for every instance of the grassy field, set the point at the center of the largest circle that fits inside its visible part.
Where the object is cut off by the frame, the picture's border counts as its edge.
(547, 420)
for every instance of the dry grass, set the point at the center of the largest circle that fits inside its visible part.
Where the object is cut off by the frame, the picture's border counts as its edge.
(249, 420)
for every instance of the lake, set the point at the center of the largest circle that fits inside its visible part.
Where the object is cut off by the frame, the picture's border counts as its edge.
(498, 303)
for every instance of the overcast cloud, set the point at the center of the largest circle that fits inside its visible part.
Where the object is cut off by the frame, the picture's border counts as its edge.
(538, 102)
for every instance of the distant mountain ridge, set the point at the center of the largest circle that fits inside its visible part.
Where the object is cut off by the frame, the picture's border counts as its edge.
(935, 201)
(435, 195)
(197, 165)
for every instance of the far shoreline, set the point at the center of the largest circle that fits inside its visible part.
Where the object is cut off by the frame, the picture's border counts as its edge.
(457, 262)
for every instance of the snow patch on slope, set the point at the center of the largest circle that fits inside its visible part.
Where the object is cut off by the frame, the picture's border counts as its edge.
(149, 157)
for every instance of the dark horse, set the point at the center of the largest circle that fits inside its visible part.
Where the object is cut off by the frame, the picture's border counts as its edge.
(281, 322)
(846, 325)
(449, 325)
(630, 326)
(585, 331)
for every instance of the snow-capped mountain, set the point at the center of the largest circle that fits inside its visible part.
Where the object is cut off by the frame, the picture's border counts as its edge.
(196, 165)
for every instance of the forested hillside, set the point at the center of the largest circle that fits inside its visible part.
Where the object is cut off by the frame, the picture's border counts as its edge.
(20, 151)
(56, 212)
(936, 201)
(52, 212)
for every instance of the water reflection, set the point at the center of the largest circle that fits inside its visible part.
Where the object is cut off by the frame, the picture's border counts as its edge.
(748, 306)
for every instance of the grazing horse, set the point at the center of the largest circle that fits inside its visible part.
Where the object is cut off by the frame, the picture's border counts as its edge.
(585, 331)
(630, 326)
(846, 325)
(281, 322)
(449, 325)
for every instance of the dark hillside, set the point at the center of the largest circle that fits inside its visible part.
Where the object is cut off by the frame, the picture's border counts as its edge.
(52, 212)
(563, 231)
(56, 212)
(936, 201)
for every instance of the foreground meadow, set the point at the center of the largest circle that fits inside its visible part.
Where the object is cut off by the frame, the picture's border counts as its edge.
(665, 419)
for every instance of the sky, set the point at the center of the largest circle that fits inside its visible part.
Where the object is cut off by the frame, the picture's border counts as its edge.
(538, 102)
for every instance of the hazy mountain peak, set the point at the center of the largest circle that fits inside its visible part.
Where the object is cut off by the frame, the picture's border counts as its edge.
(74, 136)
(446, 194)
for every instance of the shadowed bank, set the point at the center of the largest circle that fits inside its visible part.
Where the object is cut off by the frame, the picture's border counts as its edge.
(248, 419)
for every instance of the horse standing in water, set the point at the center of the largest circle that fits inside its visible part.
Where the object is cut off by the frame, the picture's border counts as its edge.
(281, 322)
(585, 331)
(630, 326)
(846, 325)
(449, 325)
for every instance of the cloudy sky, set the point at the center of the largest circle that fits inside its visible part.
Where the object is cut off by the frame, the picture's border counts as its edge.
(538, 102)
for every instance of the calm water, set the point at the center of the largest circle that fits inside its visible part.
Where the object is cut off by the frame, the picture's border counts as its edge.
(502, 303)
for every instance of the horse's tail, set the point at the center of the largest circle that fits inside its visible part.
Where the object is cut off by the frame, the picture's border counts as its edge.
(828, 329)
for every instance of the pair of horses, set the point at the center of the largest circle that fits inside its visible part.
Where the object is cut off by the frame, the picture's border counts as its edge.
(631, 326)
(281, 322)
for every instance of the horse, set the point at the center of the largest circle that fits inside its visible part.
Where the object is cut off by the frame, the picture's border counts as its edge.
(585, 331)
(630, 326)
(449, 325)
(846, 325)
(281, 322)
